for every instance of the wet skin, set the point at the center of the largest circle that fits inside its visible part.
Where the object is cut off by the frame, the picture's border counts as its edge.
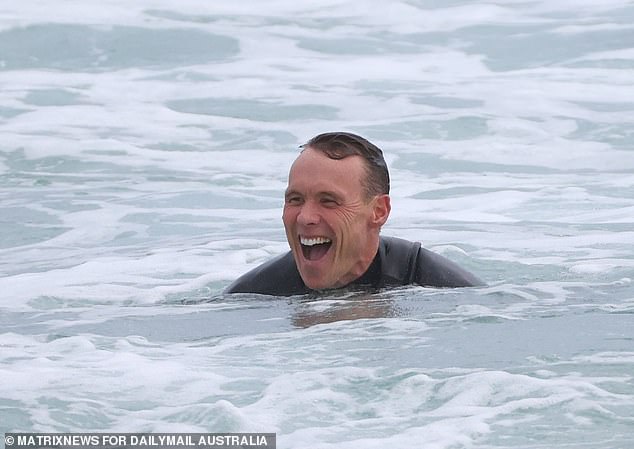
(332, 226)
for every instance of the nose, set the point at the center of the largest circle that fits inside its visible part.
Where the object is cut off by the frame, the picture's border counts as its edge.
(308, 214)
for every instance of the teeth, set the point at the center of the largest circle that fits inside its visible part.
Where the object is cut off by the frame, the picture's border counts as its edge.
(313, 241)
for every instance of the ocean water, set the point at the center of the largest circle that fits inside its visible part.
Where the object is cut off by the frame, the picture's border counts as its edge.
(144, 150)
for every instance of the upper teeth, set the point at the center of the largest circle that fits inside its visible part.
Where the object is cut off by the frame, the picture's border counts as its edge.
(313, 241)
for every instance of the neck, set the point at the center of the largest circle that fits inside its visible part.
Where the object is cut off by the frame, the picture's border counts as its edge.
(362, 266)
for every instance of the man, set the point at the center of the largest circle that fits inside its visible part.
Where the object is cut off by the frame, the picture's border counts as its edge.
(336, 202)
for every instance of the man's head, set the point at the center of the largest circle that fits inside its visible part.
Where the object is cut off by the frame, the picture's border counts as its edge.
(335, 204)
(339, 145)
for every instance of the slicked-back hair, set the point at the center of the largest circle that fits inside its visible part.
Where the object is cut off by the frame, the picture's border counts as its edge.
(339, 145)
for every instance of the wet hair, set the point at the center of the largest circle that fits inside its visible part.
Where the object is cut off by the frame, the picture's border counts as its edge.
(339, 145)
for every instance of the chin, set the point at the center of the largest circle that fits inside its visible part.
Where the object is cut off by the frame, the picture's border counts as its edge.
(316, 284)
(313, 284)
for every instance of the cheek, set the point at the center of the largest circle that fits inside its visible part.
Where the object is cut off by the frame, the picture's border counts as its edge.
(350, 232)
(288, 217)
(351, 220)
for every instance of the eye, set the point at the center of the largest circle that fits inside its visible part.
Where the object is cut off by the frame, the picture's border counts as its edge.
(293, 200)
(329, 202)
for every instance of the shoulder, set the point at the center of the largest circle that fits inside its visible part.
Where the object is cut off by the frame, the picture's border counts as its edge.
(435, 270)
(278, 276)
(409, 263)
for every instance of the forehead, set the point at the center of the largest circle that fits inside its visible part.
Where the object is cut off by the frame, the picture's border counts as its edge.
(314, 170)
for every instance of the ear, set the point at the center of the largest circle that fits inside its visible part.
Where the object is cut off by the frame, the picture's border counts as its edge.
(381, 210)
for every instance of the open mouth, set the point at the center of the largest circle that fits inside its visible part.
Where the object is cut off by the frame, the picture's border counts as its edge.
(314, 248)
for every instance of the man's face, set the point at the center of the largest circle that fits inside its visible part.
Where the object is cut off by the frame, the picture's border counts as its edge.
(331, 227)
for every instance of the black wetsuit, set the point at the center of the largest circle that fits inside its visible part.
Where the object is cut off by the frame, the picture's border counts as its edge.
(398, 262)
